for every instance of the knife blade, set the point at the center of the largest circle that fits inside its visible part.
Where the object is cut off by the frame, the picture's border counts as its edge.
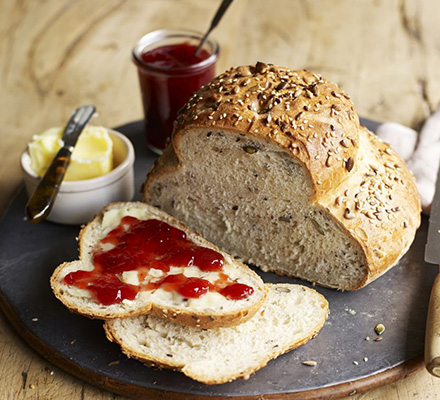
(40, 203)
(432, 255)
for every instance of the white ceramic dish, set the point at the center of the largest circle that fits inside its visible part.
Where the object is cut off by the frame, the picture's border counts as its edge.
(78, 201)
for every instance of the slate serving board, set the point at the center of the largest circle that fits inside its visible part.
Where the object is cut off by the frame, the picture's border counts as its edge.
(399, 300)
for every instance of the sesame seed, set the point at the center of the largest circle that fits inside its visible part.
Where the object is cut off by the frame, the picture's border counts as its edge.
(309, 363)
(348, 214)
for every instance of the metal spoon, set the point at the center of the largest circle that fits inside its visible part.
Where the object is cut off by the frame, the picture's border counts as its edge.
(217, 17)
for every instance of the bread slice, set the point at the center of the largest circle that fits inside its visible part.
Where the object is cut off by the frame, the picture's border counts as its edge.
(291, 315)
(272, 166)
(208, 311)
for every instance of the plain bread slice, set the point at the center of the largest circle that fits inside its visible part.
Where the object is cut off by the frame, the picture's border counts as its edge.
(291, 315)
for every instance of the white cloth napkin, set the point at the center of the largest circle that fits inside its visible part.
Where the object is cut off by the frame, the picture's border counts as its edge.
(421, 153)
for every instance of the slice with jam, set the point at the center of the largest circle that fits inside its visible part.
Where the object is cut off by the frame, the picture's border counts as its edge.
(136, 259)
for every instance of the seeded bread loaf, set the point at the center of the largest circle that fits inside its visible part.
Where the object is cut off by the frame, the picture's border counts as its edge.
(272, 166)
(291, 315)
(208, 311)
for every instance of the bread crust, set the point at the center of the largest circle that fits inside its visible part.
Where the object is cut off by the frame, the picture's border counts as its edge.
(179, 316)
(300, 111)
(358, 180)
(112, 335)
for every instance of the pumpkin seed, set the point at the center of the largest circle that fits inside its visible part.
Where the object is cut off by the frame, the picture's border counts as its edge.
(284, 218)
(250, 149)
(379, 329)
(317, 226)
(349, 164)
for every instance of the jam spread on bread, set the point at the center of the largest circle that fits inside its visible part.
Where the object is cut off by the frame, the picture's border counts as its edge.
(143, 245)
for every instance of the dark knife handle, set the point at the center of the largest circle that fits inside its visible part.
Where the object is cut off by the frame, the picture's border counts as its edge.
(432, 336)
(41, 202)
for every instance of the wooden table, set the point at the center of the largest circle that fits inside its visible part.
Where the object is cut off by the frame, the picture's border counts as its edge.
(56, 55)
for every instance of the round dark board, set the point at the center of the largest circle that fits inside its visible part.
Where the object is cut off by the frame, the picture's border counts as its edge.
(399, 300)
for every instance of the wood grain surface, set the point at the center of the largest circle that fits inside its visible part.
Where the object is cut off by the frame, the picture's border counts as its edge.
(57, 54)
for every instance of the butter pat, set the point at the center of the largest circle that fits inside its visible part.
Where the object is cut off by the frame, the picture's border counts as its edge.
(92, 156)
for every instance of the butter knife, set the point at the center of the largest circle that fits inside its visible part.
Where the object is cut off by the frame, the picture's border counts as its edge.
(432, 255)
(40, 203)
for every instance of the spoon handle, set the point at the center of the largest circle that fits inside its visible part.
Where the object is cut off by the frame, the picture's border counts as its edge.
(217, 17)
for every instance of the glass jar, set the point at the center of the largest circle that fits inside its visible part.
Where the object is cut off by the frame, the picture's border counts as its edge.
(168, 75)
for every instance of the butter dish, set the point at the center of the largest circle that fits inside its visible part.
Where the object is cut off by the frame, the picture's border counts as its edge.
(78, 201)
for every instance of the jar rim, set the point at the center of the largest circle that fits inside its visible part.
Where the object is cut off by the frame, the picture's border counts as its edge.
(161, 34)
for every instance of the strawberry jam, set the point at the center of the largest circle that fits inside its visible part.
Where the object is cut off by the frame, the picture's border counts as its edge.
(174, 55)
(168, 75)
(141, 245)
(236, 291)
